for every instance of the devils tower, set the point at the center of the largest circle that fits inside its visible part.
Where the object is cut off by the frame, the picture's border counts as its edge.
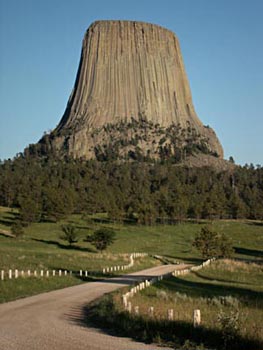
(131, 75)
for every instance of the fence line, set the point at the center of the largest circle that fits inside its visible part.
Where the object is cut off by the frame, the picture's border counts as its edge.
(82, 273)
(147, 283)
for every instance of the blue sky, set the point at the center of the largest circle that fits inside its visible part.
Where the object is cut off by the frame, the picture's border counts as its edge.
(221, 42)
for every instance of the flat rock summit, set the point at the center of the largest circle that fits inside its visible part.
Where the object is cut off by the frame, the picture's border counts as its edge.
(131, 85)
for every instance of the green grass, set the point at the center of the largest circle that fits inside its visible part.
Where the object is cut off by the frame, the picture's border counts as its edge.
(204, 289)
(22, 287)
(224, 288)
(41, 247)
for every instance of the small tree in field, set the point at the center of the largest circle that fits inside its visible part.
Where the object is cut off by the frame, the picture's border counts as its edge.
(212, 244)
(17, 229)
(70, 234)
(101, 238)
(225, 247)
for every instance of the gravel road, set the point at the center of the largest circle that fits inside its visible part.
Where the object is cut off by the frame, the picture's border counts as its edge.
(48, 321)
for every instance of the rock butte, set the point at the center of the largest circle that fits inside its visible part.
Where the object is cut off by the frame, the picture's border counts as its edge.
(128, 70)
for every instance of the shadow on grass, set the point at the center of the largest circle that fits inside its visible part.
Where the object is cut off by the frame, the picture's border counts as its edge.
(209, 290)
(196, 261)
(7, 222)
(64, 246)
(255, 223)
(101, 220)
(104, 315)
(249, 252)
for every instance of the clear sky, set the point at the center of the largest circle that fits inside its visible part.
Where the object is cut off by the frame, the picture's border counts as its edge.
(222, 47)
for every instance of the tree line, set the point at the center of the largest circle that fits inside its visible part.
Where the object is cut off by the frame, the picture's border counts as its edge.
(142, 192)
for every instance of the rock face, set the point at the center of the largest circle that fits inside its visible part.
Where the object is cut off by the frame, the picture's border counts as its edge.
(128, 71)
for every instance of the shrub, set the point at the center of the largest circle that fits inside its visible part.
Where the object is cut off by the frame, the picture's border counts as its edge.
(70, 234)
(212, 244)
(161, 294)
(17, 229)
(101, 238)
(230, 326)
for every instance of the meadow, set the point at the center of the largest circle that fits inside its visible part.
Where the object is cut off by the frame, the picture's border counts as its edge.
(42, 248)
(228, 293)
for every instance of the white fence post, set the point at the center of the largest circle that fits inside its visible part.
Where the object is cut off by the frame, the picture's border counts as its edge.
(129, 307)
(197, 318)
(136, 310)
(16, 273)
(10, 274)
(170, 314)
(151, 311)
(2, 275)
(124, 300)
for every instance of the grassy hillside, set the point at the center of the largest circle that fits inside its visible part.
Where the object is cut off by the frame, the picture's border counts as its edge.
(41, 247)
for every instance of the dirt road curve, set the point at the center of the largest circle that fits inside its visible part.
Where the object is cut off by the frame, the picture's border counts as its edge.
(48, 321)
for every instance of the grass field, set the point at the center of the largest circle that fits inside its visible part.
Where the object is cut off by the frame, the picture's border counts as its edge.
(41, 247)
(228, 293)
(11, 290)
